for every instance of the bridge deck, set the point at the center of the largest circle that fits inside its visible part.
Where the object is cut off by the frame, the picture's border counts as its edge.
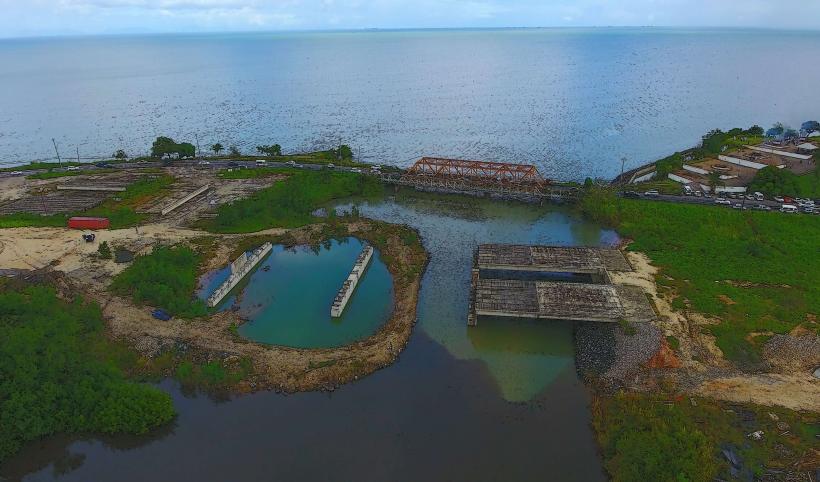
(554, 259)
(561, 301)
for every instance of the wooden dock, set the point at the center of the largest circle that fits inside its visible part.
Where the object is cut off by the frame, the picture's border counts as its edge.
(553, 259)
(561, 301)
(502, 293)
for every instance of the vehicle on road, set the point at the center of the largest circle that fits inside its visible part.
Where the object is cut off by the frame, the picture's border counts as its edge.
(808, 209)
(330, 165)
(631, 194)
(651, 192)
(788, 208)
(356, 170)
(721, 200)
(16, 173)
(762, 207)
(204, 163)
(73, 168)
(737, 206)
(758, 196)
(779, 199)
(261, 162)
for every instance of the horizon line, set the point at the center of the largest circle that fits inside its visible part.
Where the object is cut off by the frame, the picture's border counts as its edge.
(401, 29)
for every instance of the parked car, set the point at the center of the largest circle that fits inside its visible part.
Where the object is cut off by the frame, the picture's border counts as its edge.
(73, 168)
(721, 200)
(356, 170)
(261, 162)
(631, 194)
(788, 208)
(698, 194)
(758, 196)
(651, 192)
(204, 163)
(330, 165)
(737, 206)
(762, 207)
(808, 209)
(16, 173)
(233, 164)
(779, 199)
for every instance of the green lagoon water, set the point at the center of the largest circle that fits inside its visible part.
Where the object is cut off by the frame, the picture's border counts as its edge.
(289, 304)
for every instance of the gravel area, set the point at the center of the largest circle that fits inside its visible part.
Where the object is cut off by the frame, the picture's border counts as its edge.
(792, 353)
(631, 351)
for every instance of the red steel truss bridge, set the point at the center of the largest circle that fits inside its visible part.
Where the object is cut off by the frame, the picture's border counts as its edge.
(500, 179)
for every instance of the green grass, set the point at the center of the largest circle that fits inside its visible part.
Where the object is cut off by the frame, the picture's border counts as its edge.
(56, 375)
(290, 202)
(57, 174)
(637, 434)
(755, 271)
(213, 375)
(254, 173)
(120, 210)
(20, 220)
(166, 278)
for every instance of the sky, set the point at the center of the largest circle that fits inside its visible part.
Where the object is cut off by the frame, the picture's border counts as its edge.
(24, 18)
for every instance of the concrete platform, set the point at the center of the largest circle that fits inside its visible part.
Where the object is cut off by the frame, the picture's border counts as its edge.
(555, 259)
(561, 301)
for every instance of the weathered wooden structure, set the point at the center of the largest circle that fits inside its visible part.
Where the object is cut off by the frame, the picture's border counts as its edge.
(502, 294)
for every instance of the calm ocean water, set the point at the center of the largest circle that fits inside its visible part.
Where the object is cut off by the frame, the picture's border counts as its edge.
(573, 101)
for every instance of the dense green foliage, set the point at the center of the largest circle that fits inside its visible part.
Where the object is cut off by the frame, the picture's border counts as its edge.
(272, 150)
(212, 375)
(637, 434)
(51, 379)
(773, 181)
(253, 173)
(290, 202)
(166, 278)
(638, 438)
(167, 147)
(713, 143)
(756, 271)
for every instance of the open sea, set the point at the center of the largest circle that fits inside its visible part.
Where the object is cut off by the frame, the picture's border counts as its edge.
(572, 101)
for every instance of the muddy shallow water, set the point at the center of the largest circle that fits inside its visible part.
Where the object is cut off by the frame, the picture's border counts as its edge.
(500, 401)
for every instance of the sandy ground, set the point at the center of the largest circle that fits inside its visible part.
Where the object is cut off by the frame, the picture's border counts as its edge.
(280, 368)
(706, 371)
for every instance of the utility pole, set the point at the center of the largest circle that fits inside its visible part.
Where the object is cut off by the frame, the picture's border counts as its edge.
(58, 152)
(196, 136)
(78, 154)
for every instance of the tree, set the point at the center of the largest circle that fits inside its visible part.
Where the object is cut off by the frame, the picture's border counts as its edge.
(773, 181)
(776, 130)
(715, 181)
(343, 153)
(234, 151)
(810, 126)
(789, 133)
(186, 149)
(273, 150)
(163, 146)
(217, 148)
(755, 130)
(120, 154)
(104, 251)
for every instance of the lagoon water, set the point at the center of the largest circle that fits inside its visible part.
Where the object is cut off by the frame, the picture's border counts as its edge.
(289, 303)
(500, 401)
(573, 101)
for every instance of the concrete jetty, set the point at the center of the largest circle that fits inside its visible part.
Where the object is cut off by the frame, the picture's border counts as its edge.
(349, 285)
(239, 269)
(184, 200)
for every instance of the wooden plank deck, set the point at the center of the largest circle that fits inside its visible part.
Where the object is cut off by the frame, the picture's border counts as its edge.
(555, 259)
(561, 301)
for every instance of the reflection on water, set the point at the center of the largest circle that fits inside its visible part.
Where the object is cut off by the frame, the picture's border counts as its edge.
(451, 228)
(287, 300)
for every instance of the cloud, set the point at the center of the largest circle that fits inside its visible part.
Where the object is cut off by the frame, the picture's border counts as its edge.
(103, 16)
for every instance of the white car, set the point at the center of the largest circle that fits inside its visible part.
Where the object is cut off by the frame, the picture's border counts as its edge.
(73, 168)
(779, 199)
(651, 192)
(331, 165)
(356, 170)
(204, 163)
(721, 200)
(16, 173)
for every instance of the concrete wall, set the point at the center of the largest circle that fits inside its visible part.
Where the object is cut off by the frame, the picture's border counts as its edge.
(644, 177)
(742, 162)
(696, 170)
(679, 179)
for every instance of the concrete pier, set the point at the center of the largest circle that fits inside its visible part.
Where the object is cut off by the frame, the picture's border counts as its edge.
(184, 200)
(349, 285)
(239, 269)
